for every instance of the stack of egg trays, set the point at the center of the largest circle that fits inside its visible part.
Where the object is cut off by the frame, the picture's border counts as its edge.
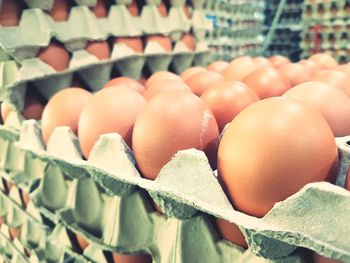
(34, 242)
(105, 200)
(238, 27)
(326, 29)
(37, 29)
(286, 38)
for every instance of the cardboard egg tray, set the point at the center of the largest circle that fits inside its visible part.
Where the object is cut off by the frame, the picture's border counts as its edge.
(326, 10)
(106, 201)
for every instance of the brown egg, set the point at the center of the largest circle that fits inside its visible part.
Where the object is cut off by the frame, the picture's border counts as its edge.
(14, 232)
(278, 60)
(56, 56)
(82, 242)
(321, 259)
(189, 41)
(190, 72)
(172, 121)
(231, 232)
(63, 109)
(109, 110)
(324, 60)
(262, 62)
(323, 97)
(344, 68)
(164, 85)
(135, 43)
(163, 41)
(133, 8)
(100, 9)
(271, 150)
(239, 68)
(294, 73)
(266, 82)
(143, 80)
(163, 11)
(99, 49)
(60, 10)
(187, 11)
(161, 75)
(218, 66)
(200, 81)
(34, 105)
(310, 66)
(128, 82)
(120, 258)
(10, 12)
(5, 110)
(335, 78)
(226, 99)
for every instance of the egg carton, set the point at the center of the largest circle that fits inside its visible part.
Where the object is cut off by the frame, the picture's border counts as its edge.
(95, 73)
(341, 55)
(84, 194)
(326, 10)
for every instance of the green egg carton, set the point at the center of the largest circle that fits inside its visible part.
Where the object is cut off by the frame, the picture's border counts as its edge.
(106, 201)
(9, 252)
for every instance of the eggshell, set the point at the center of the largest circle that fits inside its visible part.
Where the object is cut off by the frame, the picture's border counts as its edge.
(109, 110)
(82, 242)
(56, 56)
(128, 82)
(164, 85)
(266, 82)
(172, 121)
(217, 66)
(310, 66)
(120, 258)
(262, 62)
(321, 259)
(133, 8)
(226, 99)
(335, 78)
(200, 81)
(239, 68)
(60, 10)
(5, 110)
(294, 73)
(187, 11)
(344, 68)
(278, 60)
(190, 72)
(1, 220)
(324, 60)
(163, 41)
(271, 150)
(231, 232)
(332, 103)
(135, 43)
(10, 13)
(99, 49)
(100, 9)
(14, 232)
(163, 11)
(63, 109)
(189, 41)
(161, 75)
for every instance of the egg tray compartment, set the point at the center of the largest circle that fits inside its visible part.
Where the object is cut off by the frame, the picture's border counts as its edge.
(111, 174)
(14, 77)
(322, 10)
(36, 28)
(9, 252)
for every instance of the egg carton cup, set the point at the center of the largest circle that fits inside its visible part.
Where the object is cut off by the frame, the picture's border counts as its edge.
(322, 10)
(15, 77)
(83, 195)
(9, 252)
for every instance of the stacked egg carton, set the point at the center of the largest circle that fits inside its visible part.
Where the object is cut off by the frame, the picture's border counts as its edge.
(286, 36)
(326, 28)
(238, 27)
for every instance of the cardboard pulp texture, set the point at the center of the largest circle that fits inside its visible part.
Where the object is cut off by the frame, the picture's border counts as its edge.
(325, 10)
(106, 201)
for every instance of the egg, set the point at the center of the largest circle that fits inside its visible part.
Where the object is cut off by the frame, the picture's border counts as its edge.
(6, 108)
(56, 56)
(60, 10)
(261, 62)
(133, 8)
(163, 41)
(99, 49)
(189, 40)
(164, 85)
(63, 109)
(109, 110)
(10, 12)
(173, 121)
(239, 68)
(278, 60)
(187, 11)
(200, 81)
(271, 150)
(190, 72)
(321, 259)
(344, 68)
(100, 9)
(310, 66)
(128, 82)
(161, 75)
(324, 60)
(231, 232)
(82, 242)
(218, 66)
(266, 82)
(294, 73)
(323, 97)
(226, 99)
(335, 78)
(120, 258)
(162, 9)
(14, 232)
(135, 43)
